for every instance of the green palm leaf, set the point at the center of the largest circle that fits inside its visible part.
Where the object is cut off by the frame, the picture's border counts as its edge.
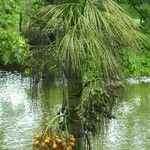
(98, 33)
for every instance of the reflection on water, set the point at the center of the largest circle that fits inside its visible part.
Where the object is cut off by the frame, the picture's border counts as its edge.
(19, 123)
(131, 129)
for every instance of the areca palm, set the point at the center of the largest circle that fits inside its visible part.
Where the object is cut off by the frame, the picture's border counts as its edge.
(87, 32)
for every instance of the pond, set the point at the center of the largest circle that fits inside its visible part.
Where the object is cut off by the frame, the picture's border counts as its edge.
(19, 121)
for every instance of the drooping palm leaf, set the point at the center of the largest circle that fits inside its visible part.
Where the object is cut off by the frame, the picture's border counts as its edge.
(99, 31)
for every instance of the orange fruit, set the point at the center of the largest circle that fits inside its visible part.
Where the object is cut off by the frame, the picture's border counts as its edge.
(36, 143)
(54, 146)
(44, 145)
(72, 139)
(72, 144)
(59, 141)
(38, 137)
(48, 137)
(64, 144)
(47, 141)
(69, 148)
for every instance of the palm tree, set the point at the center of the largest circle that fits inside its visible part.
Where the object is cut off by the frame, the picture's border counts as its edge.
(87, 32)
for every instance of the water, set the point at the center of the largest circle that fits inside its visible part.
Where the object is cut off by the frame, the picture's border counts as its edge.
(131, 129)
(19, 122)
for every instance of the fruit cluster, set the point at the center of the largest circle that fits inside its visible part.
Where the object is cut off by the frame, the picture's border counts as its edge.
(54, 142)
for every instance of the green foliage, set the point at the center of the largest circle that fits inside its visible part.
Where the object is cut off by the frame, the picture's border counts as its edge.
(140, 9)
(137, 64)
(13, 48)
(37, 4)
(134, 2)
(146, 19)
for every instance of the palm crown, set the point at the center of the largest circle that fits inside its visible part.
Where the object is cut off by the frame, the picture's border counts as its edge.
(95, 30)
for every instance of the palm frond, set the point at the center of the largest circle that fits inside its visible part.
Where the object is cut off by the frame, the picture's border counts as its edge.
(98, 33)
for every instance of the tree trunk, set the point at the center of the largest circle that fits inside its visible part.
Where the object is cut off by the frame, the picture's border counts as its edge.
(75, 88)
(20, 23)
(75, 125)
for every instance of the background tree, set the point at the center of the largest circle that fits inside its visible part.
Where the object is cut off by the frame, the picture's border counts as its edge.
(137, 63)
(14, 16)
(13, 47)
(142, 8)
